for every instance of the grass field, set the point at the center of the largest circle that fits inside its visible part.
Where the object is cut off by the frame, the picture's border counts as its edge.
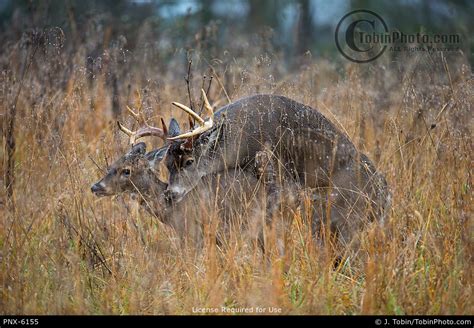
(64, 251)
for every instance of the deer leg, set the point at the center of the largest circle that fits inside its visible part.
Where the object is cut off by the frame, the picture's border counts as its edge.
(329, 211)
(338, 215)
(265, 171)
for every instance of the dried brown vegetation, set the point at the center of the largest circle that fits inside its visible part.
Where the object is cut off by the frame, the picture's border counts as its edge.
(65, 251)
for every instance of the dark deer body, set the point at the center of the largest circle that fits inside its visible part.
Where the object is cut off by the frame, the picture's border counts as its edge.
(307, 147)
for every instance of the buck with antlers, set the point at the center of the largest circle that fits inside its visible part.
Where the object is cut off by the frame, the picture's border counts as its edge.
(308, 149)
(138, 171)
(234, 196)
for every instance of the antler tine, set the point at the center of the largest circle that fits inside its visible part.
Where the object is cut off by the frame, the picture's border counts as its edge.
(204, 125)
(165, 128)
(144, 130)
(207, 104)
(189, 111)
(124, 129)
(132, 135)
(138, 115)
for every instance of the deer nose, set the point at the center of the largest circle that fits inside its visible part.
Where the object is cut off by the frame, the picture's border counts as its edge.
(97, 188)
(173, 196)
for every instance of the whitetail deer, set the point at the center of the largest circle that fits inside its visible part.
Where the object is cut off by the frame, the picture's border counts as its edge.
(306, 146)
(235, 196)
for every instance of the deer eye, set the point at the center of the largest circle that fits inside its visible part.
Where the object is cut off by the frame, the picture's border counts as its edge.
(126, 172)
(188, 162)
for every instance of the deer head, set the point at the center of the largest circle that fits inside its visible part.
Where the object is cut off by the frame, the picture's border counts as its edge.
(137, 171)
(185, 152)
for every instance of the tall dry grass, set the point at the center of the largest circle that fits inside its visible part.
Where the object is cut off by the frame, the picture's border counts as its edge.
(63, 251)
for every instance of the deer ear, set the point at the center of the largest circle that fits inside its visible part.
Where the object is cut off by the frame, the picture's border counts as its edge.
(138, 149)
(154, 157)
(160, 154)
(174, 129)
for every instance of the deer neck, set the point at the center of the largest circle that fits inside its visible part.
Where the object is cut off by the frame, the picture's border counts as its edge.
(151, 195)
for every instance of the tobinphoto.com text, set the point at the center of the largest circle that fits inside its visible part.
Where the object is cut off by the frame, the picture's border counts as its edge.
(413, 42)
(396, 36)
(237, 310)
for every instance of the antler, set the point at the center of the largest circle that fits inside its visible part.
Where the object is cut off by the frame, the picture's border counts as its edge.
(144, 130)
(204, 125)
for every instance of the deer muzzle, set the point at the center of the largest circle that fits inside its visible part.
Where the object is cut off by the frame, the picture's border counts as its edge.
(99, 189)
(174, 194)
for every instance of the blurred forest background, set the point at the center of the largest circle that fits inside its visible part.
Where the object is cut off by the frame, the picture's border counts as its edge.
(286, 28)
